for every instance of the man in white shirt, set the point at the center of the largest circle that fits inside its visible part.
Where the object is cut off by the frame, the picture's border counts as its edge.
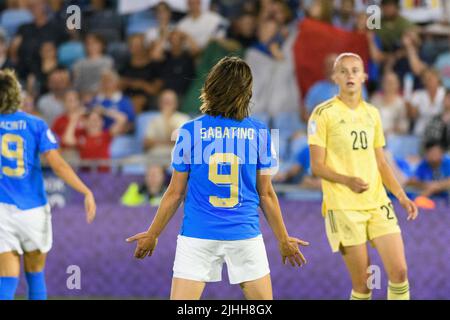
(200, 25)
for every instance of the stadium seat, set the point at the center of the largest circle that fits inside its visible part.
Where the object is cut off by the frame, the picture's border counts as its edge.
(403, 146)
(70, 52)
(12, 19)
(142, 122)
(140, 22)
(123, 146)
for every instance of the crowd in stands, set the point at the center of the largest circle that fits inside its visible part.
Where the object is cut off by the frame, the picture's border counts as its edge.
(119, 86)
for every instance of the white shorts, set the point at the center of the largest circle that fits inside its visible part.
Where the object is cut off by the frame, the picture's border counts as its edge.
(25, 230)
(202, 260)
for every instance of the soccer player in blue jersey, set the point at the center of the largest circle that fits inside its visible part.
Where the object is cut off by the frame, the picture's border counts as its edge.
(223, 162)
(25, 220)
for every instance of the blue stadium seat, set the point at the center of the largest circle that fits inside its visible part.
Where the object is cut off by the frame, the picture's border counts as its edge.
(12, 19)
(140, 22)
(403, 146)
(142, 122)
(123, 146)
(70, 52)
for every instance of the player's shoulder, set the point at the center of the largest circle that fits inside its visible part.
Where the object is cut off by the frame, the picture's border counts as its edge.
(371, 108)
(326, 107)
(191, 122)
(373, 111)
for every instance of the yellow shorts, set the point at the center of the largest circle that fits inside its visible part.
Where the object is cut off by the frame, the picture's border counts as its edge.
(350, 228)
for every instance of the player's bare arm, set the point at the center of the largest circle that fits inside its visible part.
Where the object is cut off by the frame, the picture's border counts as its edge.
(321, 170)
(62, 169)
(269, 204)
(171, 201)
(393, 185)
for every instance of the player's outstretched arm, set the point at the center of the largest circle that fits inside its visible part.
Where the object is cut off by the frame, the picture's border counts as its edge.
(321, 170)
(393, 185)
(62, 169)
(174, 195)
(268, 201)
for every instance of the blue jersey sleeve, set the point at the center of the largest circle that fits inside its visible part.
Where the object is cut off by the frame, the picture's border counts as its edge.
(46, 138)
(267, 154)
(181, 154)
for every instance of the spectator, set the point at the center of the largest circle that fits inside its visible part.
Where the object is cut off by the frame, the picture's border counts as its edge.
(29, 38)
(141, 76)
(42, 68)
(320, 10)
(73, 117)
(442, 64)
(179, 66)
(391, 105)
(158, 140)
(87, 72)
(274, 86)
(28, 105)
(72, 50)
(202, 26)
(345, 16)
(15, 15)
(5, 62)
(51, 104)
(102, 20)
(300, 172)
(269, 40)
(94, 142)
(243, 30)
(419, 63)
(393, 25)
(426, 103)
(438, 129)
(376, 55)
(324, 89)
(411, 58)
(110, 97)
(151, 191)
(432, 176)
(164, 26)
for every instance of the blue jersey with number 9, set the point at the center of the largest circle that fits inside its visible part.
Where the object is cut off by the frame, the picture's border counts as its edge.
(23, 138)
(222, 157)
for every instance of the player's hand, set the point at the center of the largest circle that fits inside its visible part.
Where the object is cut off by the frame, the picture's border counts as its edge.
(410, 207)
(90, 207)
(289, 251)
(145, 244)
(357, 185)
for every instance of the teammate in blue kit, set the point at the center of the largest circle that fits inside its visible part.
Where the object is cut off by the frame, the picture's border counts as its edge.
(25, 220)
(223, 162)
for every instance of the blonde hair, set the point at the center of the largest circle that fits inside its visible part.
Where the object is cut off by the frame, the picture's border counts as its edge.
(10, 92)
(346, 55)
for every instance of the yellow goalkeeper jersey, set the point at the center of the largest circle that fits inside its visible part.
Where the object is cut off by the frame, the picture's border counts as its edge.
(350, 137)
